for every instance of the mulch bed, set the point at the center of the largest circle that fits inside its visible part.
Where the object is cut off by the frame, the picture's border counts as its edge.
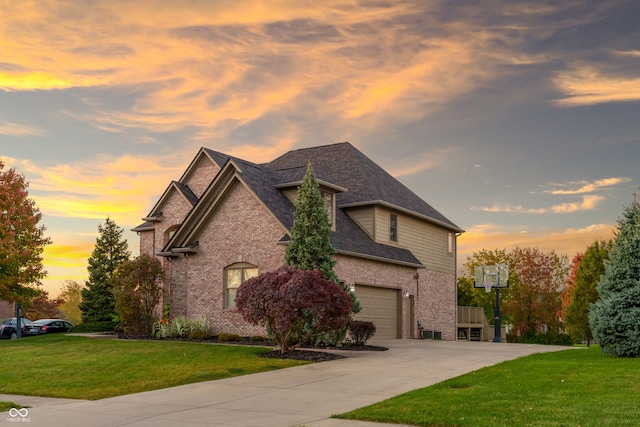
(319, 356)
(305, 353)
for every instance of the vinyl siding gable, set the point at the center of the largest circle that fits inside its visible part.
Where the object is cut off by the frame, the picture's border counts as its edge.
(428, 242)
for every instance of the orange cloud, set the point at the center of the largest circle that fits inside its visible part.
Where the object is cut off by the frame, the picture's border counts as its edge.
(588, 187)
(505, 207)
(569, 241)
(15, 129)
(588, 203)
(221, 65)
(68, 255)
(590, 84)
(122, 188)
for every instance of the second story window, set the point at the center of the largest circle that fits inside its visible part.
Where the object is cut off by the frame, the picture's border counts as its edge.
(393, 228)
(328, 204)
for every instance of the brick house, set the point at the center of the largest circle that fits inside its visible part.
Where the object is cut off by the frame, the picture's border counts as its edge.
(227, 219)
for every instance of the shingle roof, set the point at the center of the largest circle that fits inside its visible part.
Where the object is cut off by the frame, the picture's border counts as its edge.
(367, 183)
(341, 165)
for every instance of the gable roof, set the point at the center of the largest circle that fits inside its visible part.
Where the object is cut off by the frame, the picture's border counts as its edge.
(156, 213)
(357, 180)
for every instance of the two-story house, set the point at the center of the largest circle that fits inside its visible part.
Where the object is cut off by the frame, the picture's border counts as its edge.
(226, 220)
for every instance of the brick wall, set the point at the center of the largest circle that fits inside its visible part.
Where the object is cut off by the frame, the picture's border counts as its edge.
(202, 175)
(241, 230)
(6, 309)
(434, 293)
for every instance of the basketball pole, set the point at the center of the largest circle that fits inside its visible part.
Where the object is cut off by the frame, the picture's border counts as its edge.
(496, 317)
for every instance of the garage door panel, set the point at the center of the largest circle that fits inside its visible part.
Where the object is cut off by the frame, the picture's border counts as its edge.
(380, 306)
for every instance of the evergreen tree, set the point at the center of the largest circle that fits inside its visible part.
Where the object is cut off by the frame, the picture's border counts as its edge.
(584, 293)
(111, 251)
(310, 246)
(615, 318)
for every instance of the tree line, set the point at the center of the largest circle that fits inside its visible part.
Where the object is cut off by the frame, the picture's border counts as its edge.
(595, 296)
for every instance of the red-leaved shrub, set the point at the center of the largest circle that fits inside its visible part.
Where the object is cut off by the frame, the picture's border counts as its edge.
(293, 305)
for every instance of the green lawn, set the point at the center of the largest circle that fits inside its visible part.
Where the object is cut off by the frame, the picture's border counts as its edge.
(568, 388)
(92, 368)
(5, 406)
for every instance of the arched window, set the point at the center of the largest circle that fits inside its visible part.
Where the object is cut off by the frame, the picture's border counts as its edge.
(234, 275)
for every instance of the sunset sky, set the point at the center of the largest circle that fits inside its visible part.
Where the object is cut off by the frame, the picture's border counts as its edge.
(519, 121)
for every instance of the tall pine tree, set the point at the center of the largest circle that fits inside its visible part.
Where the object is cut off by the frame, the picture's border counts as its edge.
(111, 251)
(615, 318)
(310, 246)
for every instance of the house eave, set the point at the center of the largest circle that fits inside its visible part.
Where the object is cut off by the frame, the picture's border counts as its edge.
(143, 228)
(295, 184)
(370, 257)
(401, 209)
(381, 259)
(167, 254)
(154, 218)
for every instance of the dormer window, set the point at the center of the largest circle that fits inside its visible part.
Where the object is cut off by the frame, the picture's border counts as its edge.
(327, 198)
(393, 227)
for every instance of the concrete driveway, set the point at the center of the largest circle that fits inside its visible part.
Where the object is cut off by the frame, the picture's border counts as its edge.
(303, 395)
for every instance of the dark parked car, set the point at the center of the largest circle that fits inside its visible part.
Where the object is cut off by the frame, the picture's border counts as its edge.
(8, 327)
(47, 326)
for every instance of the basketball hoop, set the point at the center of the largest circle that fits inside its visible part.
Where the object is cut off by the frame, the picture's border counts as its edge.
(488, 286)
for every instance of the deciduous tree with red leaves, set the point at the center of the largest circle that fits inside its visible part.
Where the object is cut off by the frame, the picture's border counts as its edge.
(567, 295)
(536, 280)
(22, 240)
(293, 305)
(42, 307)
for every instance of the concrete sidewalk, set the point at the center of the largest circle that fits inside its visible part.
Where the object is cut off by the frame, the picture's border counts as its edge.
(304, 395)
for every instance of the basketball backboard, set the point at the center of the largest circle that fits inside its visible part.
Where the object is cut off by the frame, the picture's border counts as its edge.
(491, 276)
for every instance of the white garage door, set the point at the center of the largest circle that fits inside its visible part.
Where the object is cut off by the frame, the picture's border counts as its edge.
(380, 306)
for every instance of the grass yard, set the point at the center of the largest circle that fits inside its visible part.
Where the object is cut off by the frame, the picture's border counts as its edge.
(568, 388)
(5, 406)
(95, 368)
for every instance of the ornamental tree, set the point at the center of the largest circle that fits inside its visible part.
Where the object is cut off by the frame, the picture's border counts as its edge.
(137, 290)
(615, 318)
(71, 295)
(110, 252)
(293, 305)
(22, 240)
(536, 280)
(43, 307)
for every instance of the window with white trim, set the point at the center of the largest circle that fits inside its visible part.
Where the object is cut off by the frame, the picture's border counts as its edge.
(234, 276)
